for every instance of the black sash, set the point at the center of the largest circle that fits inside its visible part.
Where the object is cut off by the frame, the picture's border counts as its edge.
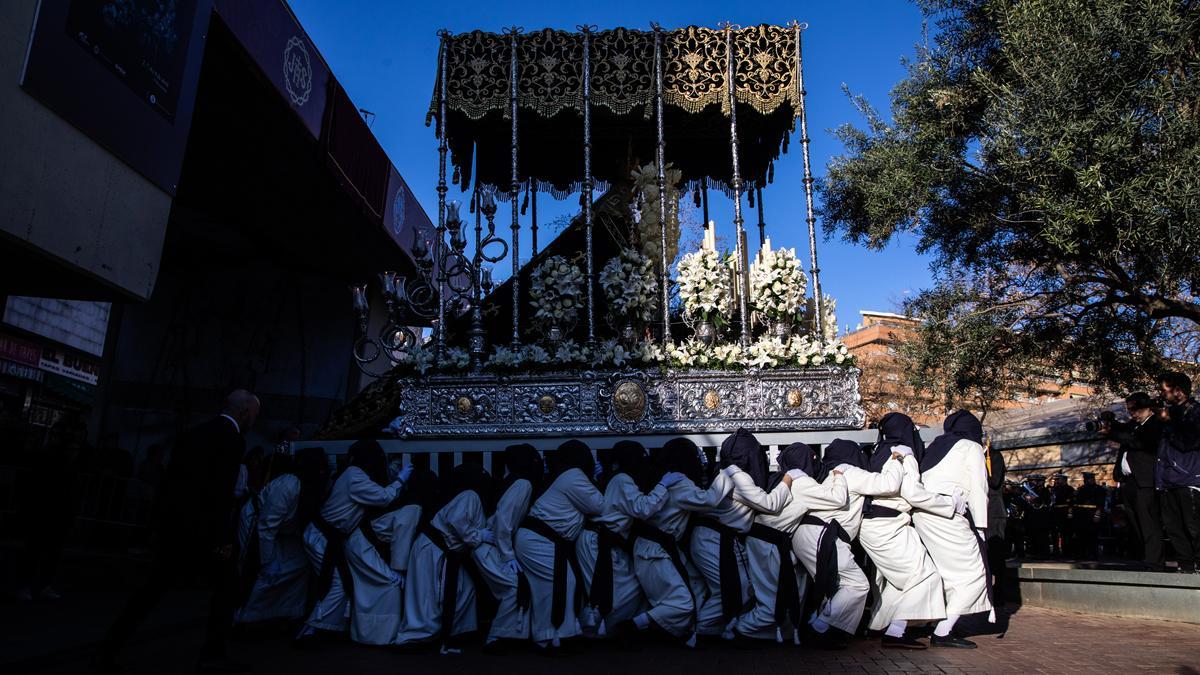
(644, 530)
(730, 574)
(334, 559)
(601, 595)
(787, 592)
(454, 561)
(564, 554)
(983, 551)
(826, 579)
(877, 511)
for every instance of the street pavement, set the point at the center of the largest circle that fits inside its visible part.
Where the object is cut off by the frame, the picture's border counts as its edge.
(1036, 641)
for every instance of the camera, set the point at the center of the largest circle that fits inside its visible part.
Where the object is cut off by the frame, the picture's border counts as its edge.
(1107, 423)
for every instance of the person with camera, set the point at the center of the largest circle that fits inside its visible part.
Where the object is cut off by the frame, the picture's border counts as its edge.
(1134, 471)
(1178, 471)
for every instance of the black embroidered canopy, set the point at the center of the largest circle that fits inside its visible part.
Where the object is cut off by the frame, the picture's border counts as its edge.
(550, 101)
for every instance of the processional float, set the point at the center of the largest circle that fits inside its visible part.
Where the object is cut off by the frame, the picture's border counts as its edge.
(643, 117)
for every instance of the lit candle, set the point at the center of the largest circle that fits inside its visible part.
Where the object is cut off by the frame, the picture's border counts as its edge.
(359, 293)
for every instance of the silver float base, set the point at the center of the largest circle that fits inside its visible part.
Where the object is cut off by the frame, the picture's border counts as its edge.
(630, 402)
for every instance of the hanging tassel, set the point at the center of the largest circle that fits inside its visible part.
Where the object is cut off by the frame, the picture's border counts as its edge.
(696, 196)
(992, 615)
(457, 176)
(525, 202)
(796, 636)
(771, 173)
(778, 635)
(750, 196)
(786, 139)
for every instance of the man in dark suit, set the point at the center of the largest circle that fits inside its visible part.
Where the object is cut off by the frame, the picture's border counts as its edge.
(194, 532)
(1134, 470)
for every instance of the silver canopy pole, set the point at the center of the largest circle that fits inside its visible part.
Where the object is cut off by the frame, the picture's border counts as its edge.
(443, 150)
(660, 152)
(818, 301)
(514, 77)
(743, 256)
(587, 181)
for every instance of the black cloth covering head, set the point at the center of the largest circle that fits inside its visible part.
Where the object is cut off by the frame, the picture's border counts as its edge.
(572, 454)
(423, 489)
(683, 456)
(629, 458)
(472, 477)
(840, 452)
(796, 456)
(894, 429)
(312, 468)
(368, 455)
(960, 425)
(523, 462)
(744, 451)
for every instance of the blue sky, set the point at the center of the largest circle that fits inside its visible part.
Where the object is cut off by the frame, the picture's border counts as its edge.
(384, 53)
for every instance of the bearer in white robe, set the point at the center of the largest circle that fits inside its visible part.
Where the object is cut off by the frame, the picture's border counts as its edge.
(439, 594)
(725, 573)
(280, 512)
(823, 543)
(497, 562)
(611, 584)
(908, 586)
(950, 515)
(548, 534)
(777, 598)
(362, 485)
(660, 566)
(378, 582)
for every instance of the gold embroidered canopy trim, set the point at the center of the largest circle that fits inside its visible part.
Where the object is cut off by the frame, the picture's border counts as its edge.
(550, 67)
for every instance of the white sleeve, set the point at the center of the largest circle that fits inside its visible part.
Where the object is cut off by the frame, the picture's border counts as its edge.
(463, 516)
(750, 494)
(691, 498)
(278, 507)
(976, 477)
(398, 528)
(636, 504)
(509, 511)
(827, 496)
(871, 484)
(914, 492)
(363, 490)
(582, 494)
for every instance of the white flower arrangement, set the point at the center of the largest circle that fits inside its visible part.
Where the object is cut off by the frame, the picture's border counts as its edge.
(704, 285)
(695, 354)
(631, 286)
(457, 359)
(646, 221)
(556, 289)
(778, 284)
(611, 353)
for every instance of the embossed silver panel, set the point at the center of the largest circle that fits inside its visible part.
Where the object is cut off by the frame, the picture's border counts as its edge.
(631, 401)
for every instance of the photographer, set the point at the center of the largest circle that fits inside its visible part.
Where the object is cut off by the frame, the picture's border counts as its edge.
(1134, 470)
(1178, 473)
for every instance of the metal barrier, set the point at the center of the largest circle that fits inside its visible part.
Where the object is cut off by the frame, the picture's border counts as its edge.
(442, 455)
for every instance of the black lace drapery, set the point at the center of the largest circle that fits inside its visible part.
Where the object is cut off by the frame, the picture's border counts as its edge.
(550, 103)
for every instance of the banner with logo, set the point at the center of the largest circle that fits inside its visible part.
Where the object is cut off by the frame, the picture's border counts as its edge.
(79, 368)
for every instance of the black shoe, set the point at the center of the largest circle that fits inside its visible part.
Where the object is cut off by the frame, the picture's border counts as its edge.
(221, 664)
(951, 642)
(831, 640)
(889, 642)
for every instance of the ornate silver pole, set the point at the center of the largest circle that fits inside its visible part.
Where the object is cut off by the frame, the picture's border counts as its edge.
(587, 181)
(762, 225)
(443, 150)
(533, 220)
(514, 77)
(818, 301)
(477, 334)
(743, 257)
(662, 182)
